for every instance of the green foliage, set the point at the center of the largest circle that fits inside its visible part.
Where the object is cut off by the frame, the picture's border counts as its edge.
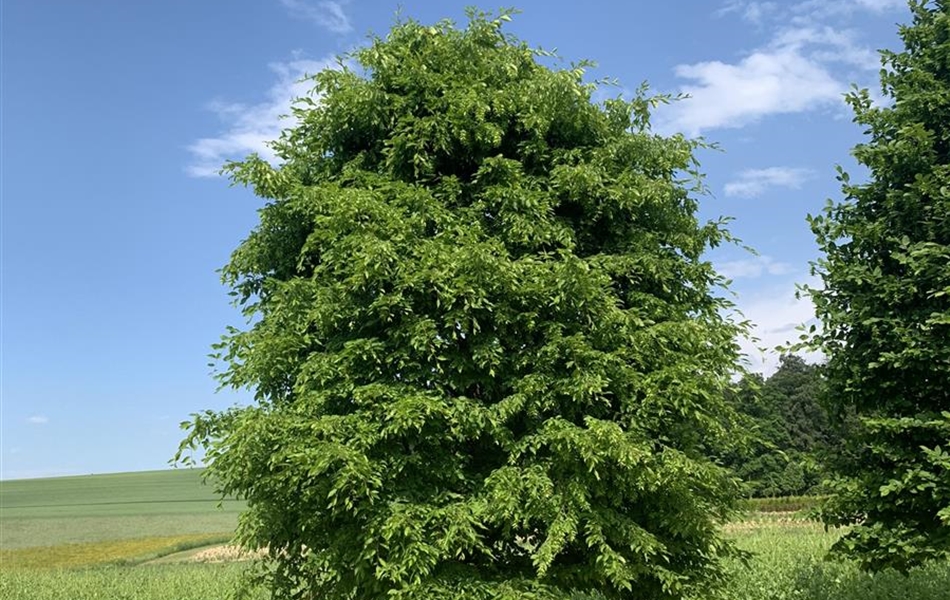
(488, 358)
(788, 428)
(885, 310)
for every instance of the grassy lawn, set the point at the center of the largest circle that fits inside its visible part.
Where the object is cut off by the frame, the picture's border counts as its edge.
(80, 538)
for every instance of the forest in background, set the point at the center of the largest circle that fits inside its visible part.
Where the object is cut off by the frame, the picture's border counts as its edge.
(788, 431)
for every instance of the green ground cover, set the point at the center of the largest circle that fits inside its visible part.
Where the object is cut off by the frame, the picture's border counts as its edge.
(787, 565)
(50, 555)
(141, 493)
(160, 582)
(100, 508)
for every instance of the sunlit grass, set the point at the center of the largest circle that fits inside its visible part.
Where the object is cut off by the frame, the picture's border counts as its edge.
(58, 545)
(163, 582)
(789, 562)
(96, 553)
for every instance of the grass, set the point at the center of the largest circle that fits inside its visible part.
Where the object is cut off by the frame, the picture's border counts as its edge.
(102, 508)
(124, 551)
(81, 538)
(159, 582)
(171, 491)
(789, 563)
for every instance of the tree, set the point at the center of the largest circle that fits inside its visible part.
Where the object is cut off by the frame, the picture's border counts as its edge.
(487, 356)
(794, 390)
(789, 431)
(885, 310)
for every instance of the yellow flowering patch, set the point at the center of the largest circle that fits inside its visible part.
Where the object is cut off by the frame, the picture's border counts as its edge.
(97, 553)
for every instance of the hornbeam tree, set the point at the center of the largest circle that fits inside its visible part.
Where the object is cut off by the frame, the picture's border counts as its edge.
(885, 310)
(487, 354)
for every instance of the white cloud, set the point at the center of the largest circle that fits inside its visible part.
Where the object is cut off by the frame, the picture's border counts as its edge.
(752, 183)
(767, 82)
(777, 314)
(38, 420)
(756, 266)
(250, 128)
(802, 68)
(326, 13)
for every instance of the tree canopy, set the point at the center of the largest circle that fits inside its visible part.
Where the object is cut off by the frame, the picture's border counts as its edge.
(789, 431)
(885, 309)
(488, 357)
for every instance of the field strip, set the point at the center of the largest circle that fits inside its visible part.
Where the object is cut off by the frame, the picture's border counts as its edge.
(217, 553)
(201, 501)
(776, 524)
(97, 553)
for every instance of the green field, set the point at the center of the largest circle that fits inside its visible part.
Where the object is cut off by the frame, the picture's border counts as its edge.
(98, 536)
(70, 521)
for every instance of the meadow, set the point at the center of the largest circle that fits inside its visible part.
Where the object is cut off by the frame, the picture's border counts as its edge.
(92, 519)
(135, 536)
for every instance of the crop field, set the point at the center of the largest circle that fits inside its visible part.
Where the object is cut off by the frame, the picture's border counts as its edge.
(78, 521)
(139, 535)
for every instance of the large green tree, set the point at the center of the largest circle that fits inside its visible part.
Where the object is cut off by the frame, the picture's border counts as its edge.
(885, 309)
(788, 431)
(488, 358)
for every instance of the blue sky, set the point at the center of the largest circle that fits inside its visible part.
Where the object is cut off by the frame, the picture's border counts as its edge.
(116, 116)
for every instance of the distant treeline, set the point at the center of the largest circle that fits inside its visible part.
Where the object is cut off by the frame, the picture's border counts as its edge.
(789, 432)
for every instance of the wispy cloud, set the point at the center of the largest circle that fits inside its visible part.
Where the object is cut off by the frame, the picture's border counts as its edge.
(883, 5)
(754, 182)
(777, 314)
(823, 44)
(756, 266)
(753, 12)
(803, 67)
(326, 13)
(814, 10)
(38, 420)
(251, 127)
